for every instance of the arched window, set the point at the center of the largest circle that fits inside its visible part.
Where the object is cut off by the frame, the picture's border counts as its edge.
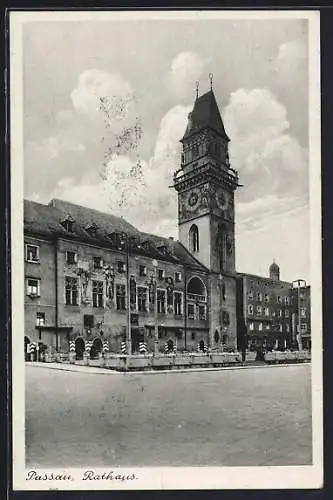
(194, 238)
(196, 286)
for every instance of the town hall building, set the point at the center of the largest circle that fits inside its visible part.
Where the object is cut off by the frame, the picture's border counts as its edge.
(94, 282)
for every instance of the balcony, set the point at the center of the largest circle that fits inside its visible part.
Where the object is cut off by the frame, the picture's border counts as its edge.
(196, 297)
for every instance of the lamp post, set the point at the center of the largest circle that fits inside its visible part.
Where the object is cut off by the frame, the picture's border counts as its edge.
(220, 278)
(155, 264)
(300, 283)
(124, 243)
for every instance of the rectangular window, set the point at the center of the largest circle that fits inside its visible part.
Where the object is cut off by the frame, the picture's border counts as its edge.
(280, 313)
(278, 299)
(303, 312)
(98, 262)
(266, 297)
(251, 326)
(40, 319)
(303, 327)
(286, 313)
(259, 310)
(161, 301)
(178, 277)
(97, 293)
(121, 297)
(121, 266)
(33, 287)
(71, 291)
(71, 257)
(191, 311)
(143, 271)
(260, 327)
(268, 327)
(88, 321)
(161, 274)
(32, 253)
(280, 327)
(202, 312)
(250, 309)
(250, 295)
(266, 311)
(287, 301)
(177, 303)
(142, 299)
(259, 297)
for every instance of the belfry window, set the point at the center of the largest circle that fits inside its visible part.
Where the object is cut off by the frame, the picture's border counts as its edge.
(194, 238)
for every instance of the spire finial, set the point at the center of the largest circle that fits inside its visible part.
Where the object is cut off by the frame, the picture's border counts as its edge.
(211, 80)
(197, 89)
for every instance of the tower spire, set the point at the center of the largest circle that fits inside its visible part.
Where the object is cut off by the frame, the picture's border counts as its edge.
(211, 80)
(197, 89)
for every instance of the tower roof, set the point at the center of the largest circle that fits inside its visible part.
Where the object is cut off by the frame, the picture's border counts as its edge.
(205, 114)
(274, 267)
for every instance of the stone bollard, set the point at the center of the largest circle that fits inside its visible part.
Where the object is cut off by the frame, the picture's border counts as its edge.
(86, 358)
(72, 357)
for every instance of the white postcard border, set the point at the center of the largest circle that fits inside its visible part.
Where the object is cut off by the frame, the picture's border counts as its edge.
(176, 477)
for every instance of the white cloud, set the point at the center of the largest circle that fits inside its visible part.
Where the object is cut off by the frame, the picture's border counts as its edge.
(269, 159)
(141, 192)
(52, 148)
(94, 85)
(292, 57)
(186, 69)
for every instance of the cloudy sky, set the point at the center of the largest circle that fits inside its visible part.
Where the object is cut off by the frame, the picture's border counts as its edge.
(105, 104)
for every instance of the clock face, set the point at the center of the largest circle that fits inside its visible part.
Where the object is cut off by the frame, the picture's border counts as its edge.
(222, 199)
(193, 199)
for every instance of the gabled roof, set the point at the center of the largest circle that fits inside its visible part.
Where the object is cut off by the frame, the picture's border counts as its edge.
(205, 114)
(45, 220)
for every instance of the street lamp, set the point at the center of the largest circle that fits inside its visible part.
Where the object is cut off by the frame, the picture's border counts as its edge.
(220, 278)
(124, 243)
(155, 264)
(300, 284)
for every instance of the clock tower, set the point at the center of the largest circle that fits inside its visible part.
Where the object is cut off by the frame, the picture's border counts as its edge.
(205, 184)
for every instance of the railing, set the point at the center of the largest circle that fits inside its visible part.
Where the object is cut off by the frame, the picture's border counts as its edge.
(231, 175)
(196, 297)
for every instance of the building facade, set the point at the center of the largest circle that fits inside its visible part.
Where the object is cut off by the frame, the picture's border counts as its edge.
(94, 282)
(268, 312)
(92, 279)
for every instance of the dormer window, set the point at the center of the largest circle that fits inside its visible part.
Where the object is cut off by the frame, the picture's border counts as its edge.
(67, 224)
(91, 228)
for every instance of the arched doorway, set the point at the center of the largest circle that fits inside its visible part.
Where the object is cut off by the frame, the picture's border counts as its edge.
(26, 343)
(170, 345)
(202, 346)
(96, 348)
(79, 348)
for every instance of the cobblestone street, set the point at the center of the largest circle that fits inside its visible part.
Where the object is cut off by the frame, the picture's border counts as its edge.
(254, 417)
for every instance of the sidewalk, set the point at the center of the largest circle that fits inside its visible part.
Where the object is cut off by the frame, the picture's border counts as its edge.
(106, 371)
